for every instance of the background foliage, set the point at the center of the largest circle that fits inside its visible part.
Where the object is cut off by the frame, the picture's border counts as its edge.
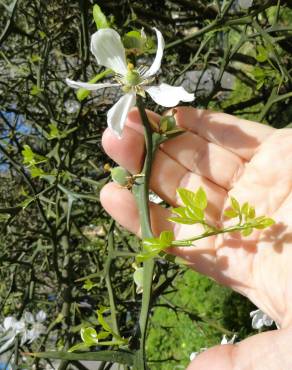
(56, 241)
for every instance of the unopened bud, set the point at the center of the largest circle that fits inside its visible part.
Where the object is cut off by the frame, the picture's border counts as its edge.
(120, 175)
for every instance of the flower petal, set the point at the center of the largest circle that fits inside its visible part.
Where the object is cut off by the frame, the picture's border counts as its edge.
(41, 316)
(88, 86)
(108, 49)
(7, 344)
(169, 96)
(9, 322)
(28, 317)
(158, 57)
(116, 116)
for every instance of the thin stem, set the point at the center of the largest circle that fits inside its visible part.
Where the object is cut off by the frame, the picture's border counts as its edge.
(189, 242)
(112, 299)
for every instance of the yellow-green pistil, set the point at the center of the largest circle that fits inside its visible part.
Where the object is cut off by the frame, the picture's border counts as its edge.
(131, 79)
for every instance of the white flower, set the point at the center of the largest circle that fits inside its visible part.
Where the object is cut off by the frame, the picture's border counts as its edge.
(107, 47)
(28, 329)
(11, 328)
(154, 198)
(193, 355)
(245, 4)
(260, 319)
(36, 326)
(225, 340)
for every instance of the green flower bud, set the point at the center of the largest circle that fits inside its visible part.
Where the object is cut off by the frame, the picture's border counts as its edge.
(120, 175)
(167, 123)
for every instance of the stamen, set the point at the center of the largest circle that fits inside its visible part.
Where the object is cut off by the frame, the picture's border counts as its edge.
(142, 70)
(130, 66)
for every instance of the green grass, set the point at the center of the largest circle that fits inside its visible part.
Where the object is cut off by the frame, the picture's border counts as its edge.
(206, 312)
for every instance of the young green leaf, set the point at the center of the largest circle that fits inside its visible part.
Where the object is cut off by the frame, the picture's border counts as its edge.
(187, 196)
(102, 321)
(166, 237)
(83, 93)
(183, 220)
(99, 18)
(195, 213)
(181, 211)
(251, 212)
(246, 232)
(138, 279)
(234, 204)
(230, 213)
(266, 222)
(134, 40)
(201, 199)
(245, 209)
(89, 336)
(79, 347)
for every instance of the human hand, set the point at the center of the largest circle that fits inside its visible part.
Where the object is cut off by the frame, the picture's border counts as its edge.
(226, 156)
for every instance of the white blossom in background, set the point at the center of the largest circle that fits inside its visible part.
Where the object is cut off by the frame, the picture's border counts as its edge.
(10, 329)
(72, 106)
(260, 319)
(225, 340)
(27, 328)
(245, 4)
(193, 355)
(35, 326)
(108, 49)
(154, 198)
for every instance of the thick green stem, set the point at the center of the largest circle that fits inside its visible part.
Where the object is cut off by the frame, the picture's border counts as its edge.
(141, 193)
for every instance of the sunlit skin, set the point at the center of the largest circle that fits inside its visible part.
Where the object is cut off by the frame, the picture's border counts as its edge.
(226, 156)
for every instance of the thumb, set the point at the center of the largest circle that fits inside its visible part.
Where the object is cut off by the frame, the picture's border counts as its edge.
(266, 351)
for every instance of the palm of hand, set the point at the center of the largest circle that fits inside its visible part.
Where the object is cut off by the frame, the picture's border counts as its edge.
(256, 266)
(226, 156)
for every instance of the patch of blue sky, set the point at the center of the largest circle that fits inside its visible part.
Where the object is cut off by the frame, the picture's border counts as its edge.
(17, 121)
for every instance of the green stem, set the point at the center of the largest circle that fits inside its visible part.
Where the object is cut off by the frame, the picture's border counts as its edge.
(112, 299)
(141, 193)
(189, 242)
